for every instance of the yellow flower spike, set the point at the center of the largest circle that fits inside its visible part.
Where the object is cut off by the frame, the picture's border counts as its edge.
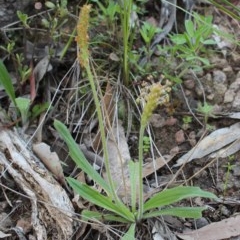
(158, 95)
(82, 35)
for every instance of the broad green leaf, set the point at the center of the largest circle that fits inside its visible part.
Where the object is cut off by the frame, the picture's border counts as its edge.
(186, 212)
(23, 105)
(169, 196)
(129, 235)
(101, 217)
(178, 39)
(98, 199)
(6, 82)
(190, 28)
(78, 157)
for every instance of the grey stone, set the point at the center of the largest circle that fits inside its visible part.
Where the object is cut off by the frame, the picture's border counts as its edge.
(229, 96)
(236, 171)
(201, 222)
(219, 76)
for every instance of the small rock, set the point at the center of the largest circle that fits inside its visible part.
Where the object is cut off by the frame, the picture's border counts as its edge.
(236, 171)
(189, 84)
(199, 91)
(171, 121)
(225, 211)
(179, 137)
(219, 76)
(235, 57)
(157, 120)
(192, 138)
(210, 96)
(174, 151)
(201, 222)
(219, 62)
(235, 86)
(229, 96)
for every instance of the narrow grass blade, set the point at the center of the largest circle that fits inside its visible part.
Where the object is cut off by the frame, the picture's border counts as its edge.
(129, 235)
(98, 199)
(176, 194)
(6, 81)
(78, 157)
(101, 217)
(186, 212)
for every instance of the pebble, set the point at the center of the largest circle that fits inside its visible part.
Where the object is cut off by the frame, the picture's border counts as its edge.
(201, 222)
(236, 171)
(219, 76)
(229, 96)
(225, 211)
(179, 137)
(157, 120)
(189, 84)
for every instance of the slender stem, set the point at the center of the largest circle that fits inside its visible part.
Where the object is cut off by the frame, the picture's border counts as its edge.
(140, 157)
(102, 131)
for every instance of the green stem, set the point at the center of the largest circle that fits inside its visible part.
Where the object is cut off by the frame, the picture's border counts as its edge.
(102, 131)
(127, 8)
(68, 44)
(140, 156)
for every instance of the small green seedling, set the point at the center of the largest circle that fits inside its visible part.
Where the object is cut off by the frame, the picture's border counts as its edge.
(148, 32)
(109, 12)
(192, 43)
(229, 167)
(207, 110)
(23, 70)
(23, 18)
(186, 121)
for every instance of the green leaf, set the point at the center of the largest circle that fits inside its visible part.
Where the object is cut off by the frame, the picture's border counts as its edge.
(209, 42)
(169, 196)
(23, 105)
(178, 39)
(38, 109)
(78, 157)
(185, 212)
(190, 28)
(6, 82)
(97, 216)
(134, 176)
(98, 199)
(129, 235)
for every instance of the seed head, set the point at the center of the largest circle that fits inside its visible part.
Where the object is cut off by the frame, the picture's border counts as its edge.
(82, 35)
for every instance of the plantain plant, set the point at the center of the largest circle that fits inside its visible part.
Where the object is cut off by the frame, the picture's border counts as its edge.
(111, 207)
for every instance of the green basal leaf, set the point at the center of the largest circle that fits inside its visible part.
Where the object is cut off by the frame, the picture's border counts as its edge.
(185, 212)
(209, 42)
(98, 199)
(134, 176)
(101, 217)
(169, 196)
(6, 82)
(78, 157)
(178, 39)
(190, 28)
(129, 235)
(23, 105)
